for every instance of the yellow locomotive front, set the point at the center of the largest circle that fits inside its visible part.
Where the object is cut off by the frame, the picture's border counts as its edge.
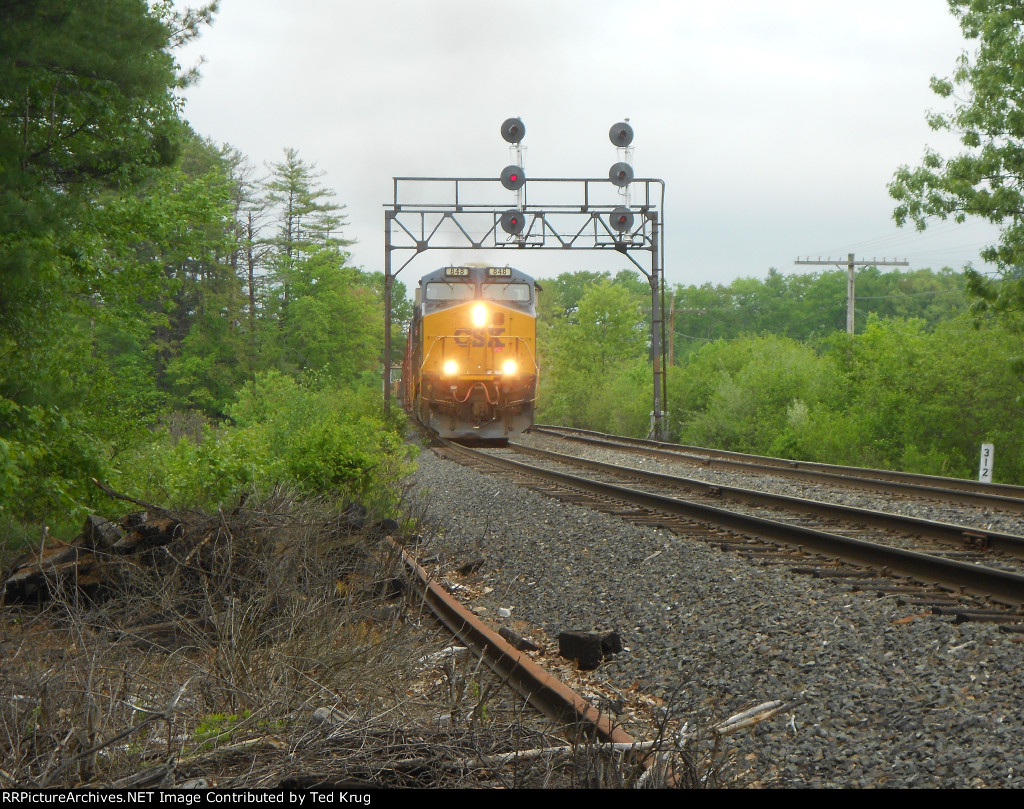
(474, 352)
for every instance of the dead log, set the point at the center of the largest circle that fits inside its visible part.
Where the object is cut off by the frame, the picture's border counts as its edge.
(150, 534)
(100, 533)
(35, 578)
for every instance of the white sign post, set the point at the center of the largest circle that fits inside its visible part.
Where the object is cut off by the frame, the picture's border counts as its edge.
(985, 472)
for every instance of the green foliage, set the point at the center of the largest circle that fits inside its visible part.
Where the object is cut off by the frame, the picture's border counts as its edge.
(335, 320)
(215, 728)
(927, 400)
(897, 396)
(310, 219)
(86, 87)
(139, 286)
(809, 306)
(750, 395)
(89, 113)
(987, 179)
(320, 437)
(593, 355)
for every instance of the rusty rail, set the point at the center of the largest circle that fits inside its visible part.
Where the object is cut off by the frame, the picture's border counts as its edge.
(544, 691)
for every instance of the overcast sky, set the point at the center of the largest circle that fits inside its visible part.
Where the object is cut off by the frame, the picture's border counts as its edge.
(775, 124)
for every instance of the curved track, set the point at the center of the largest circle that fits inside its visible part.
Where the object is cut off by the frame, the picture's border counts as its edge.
(948, 581)
(948, 490)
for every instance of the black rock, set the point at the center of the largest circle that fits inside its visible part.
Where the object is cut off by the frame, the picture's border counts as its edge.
(583, 647)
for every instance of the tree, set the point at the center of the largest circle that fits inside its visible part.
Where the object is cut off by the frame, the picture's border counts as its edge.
(596, 359)
(309, 220)
(251, 251)
(87, 112)
(986, 180)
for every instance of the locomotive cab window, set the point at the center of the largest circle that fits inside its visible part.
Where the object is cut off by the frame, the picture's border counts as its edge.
(519, 293)
(443, 291)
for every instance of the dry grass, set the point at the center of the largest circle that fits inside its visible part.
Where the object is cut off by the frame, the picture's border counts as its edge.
(272, 646)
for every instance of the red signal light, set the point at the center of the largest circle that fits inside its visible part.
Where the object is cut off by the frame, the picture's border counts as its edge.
(512, 222)
(621, 174)
(621, 219)
(513, 178)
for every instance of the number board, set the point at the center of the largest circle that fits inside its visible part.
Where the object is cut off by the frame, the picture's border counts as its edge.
(987, 460)
(459, 272)
(501, 272)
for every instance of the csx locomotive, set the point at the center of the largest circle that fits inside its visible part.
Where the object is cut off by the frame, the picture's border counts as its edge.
(470, 370)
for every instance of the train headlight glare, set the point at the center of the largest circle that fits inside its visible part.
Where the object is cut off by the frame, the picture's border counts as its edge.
(451, 368)
(509, 368)
(479, 315)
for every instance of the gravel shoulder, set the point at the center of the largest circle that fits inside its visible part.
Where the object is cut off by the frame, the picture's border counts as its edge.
(879, 696)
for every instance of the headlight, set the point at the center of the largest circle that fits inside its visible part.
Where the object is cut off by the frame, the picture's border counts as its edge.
(509, 368)
(451, 368)
(479, 315)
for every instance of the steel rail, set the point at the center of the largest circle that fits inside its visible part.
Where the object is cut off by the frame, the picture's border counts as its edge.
(542, 689)
(973, 579)
(1004, 489)
(963, 492)
(960, 535)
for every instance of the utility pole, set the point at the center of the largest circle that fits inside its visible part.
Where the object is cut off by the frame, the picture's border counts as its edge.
(672, 326)
(850, 264)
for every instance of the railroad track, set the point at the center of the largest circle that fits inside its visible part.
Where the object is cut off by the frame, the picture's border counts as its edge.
(993, 496)
(963, 581)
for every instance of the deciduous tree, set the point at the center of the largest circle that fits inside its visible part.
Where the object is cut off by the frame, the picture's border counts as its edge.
(986, 95)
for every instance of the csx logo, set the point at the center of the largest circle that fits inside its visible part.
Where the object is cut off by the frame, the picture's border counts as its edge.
(478, 338)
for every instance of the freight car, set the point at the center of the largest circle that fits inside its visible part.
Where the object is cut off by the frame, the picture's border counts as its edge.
(470, 370)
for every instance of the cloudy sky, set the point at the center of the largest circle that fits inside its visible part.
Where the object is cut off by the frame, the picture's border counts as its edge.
(775, 124)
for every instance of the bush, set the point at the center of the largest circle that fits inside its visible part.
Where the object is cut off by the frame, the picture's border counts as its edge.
(751, 395)
(321, 437)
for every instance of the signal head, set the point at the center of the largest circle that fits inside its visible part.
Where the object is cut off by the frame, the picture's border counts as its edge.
(621, 174)
(621, 134)
(621, 219)
(512, 178)
(512, 222)
(513, 130)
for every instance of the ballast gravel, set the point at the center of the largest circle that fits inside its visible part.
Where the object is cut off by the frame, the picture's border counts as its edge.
(878, 694)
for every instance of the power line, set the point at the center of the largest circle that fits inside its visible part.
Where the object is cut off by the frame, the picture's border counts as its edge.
(851, 263)
(910, 294)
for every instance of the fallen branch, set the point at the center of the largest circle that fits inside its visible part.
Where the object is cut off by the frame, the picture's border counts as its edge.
(261, 743)
(759, 713)
(148, 506)
(152, 777)
(500, 759)
(164, 714)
